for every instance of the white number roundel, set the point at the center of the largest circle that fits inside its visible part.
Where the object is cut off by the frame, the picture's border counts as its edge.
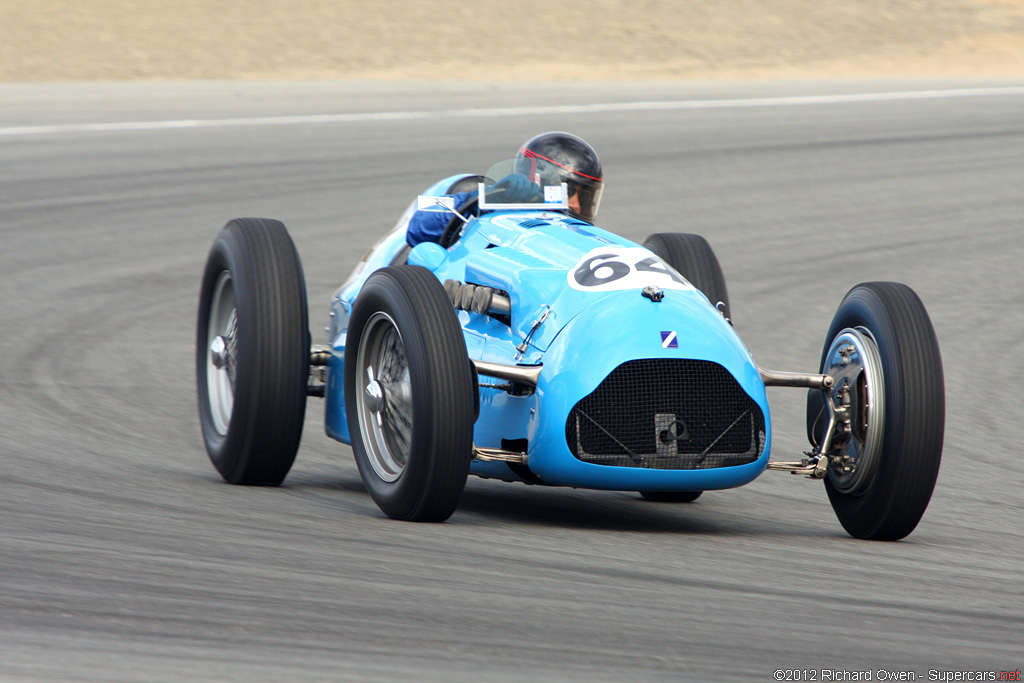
(613, 268)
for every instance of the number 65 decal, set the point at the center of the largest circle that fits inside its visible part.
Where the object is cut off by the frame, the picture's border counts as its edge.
(608, 269)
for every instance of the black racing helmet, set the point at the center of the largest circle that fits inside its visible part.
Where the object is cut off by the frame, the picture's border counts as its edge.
(573, 160)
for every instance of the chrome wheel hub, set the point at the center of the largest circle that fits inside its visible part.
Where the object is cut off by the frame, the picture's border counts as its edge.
(384, 405)
(859, 398)
(221, 354)
(374, 395)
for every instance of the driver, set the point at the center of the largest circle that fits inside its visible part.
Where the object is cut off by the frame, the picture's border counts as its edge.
(572, 158)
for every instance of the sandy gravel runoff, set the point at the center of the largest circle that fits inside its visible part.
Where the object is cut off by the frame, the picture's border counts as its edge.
(70, 40)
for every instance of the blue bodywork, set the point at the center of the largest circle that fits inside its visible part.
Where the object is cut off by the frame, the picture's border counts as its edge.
(586, 333)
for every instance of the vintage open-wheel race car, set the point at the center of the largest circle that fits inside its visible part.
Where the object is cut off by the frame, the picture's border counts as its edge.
(531, 346)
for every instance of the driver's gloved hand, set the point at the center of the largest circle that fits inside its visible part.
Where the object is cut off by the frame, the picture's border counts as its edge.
(515, 188)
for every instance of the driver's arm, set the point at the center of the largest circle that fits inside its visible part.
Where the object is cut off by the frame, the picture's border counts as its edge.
(427, 226)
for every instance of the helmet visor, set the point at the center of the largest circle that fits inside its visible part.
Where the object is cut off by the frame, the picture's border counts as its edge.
(584, 200)
(584, 190)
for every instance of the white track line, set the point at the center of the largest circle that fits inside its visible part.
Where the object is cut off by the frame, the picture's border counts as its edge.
(499, 112)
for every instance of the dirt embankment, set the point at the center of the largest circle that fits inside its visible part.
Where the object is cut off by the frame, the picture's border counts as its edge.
(66, 40)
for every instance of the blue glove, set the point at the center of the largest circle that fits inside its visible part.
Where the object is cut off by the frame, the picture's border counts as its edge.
(428, 226)
(514, 189)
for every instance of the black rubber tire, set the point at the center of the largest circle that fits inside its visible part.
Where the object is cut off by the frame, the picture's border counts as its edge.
(268, 407)
(671, 496)
(896, 497)
(430, 484)
(693, 258)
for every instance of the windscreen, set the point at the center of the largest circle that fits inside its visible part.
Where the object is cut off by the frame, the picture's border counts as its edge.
(504, 189)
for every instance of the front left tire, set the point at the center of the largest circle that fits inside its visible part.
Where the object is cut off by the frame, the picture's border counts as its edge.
(409, 394)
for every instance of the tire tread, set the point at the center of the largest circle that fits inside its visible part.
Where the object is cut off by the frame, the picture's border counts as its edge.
(897, 497)
(429, 489)
(694, 259)
(270, 387)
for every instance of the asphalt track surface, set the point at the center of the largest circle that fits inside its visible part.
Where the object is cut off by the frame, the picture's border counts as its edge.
(123, 556)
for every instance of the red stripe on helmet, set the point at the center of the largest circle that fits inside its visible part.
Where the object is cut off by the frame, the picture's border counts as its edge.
(529, 153)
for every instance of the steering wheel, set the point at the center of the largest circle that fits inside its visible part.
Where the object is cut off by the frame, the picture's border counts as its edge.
(453, 229)
(495, 191)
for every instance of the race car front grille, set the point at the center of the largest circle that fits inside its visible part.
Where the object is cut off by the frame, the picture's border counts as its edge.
(670, 414)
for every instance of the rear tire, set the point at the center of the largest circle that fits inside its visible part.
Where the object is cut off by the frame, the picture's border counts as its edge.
(252, 352)
(409, 395)
(693, 258)
(889, 483)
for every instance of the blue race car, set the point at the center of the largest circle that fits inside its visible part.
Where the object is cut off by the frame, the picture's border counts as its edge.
(529, 345)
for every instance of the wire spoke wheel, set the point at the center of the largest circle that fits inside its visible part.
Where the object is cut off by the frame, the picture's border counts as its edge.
(221, 353)
(252, 352)
(385, 403)
(409, 394)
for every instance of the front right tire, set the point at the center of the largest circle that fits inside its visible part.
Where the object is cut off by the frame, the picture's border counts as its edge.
(882, 348)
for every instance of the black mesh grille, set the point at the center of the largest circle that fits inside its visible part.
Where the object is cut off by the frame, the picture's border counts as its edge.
(670, 414)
